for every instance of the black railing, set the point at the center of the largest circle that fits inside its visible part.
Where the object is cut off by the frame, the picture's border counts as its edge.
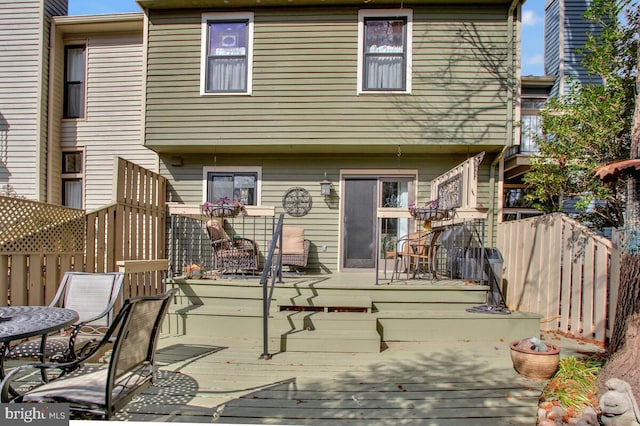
(267, 292)
(463, 255)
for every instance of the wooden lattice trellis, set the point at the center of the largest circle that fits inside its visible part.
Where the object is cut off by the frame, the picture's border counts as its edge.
(33, 227)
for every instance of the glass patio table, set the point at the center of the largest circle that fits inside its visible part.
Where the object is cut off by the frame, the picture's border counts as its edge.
(20, 322)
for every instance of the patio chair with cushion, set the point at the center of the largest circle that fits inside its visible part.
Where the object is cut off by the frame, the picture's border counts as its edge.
(295, 248)
(99, 390)
(94, 297)
(232, 255)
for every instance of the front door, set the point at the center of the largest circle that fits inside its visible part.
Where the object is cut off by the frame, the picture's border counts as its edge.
(362, 196)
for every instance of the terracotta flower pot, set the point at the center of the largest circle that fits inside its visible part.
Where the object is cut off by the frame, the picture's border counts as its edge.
(534, 364)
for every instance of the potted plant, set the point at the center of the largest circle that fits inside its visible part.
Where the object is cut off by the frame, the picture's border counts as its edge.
(535, 359)
(224, 207)
(430, 211)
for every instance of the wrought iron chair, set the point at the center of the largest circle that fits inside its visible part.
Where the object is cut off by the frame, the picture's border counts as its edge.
(94, 296)
(423, 254)
(402, 254)
(232, 255)
(102, 390)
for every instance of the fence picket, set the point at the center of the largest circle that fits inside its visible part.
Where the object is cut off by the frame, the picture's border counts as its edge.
(4, 279)
(19, 277)
(35, 282)
(560, 269)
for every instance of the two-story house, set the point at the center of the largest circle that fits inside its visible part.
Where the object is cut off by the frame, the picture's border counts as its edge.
(262, 102)
(251, 99)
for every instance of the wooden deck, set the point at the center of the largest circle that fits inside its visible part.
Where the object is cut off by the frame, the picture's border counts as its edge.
(224, 381)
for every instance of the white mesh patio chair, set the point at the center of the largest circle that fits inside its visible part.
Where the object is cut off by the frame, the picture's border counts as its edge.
(94, 297)
(99, 390)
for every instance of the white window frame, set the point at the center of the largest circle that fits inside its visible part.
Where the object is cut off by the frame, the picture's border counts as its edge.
(385, 13)
(233, 169)
(206, 18)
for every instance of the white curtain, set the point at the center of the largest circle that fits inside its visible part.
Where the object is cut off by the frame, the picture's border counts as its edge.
(75, 82)
(227, 75)
(73, 193)
(384, 72)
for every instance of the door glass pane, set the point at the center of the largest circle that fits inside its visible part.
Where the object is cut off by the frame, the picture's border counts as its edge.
(395, 193)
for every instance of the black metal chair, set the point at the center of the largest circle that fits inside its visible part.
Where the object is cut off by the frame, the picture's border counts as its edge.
(101, 391)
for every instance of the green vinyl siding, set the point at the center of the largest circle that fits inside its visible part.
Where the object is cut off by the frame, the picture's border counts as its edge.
(305, 84)
(279, 173)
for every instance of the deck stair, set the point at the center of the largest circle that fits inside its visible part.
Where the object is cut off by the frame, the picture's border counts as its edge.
(325, 324)
(340, 314)
(214, 309)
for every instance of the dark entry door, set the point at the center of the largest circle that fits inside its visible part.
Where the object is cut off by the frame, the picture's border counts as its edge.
(359, 237)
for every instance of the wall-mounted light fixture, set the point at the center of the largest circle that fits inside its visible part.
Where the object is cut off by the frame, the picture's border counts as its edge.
(325, 186)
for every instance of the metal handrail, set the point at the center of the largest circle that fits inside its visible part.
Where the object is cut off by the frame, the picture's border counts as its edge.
(267, 293)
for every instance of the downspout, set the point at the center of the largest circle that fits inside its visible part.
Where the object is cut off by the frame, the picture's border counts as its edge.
(50, 116)
(513, 46)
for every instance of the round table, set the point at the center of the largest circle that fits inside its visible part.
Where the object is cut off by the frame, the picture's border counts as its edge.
(20, 322)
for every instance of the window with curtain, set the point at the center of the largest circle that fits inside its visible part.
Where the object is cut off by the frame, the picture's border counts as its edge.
(384, 54)
(531, 125)
(74, 77)
(232, 186)
(72, 179)
(228, 56)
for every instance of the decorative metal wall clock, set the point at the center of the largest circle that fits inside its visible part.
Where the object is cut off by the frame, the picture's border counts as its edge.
(297, 201)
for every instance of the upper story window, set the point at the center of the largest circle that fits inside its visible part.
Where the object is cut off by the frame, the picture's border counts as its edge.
(232, 184)
(227, 53)
(74, 78)
(384, 46)
(531, 125)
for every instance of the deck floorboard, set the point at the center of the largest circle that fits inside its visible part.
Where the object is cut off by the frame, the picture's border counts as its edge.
(451, 383)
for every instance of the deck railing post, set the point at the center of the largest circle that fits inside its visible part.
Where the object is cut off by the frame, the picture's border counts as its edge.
(266, 294)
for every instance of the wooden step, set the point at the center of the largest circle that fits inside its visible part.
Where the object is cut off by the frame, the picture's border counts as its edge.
(350, 303)
(421, 306)
(456, 325)
(288, 321)
(339, 341)
(211, 321)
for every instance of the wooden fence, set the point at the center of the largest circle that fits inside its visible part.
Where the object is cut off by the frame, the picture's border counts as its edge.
(39, 242)
(560, 269)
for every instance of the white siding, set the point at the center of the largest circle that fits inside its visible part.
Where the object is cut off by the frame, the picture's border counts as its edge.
(112, 126)
(19, 72)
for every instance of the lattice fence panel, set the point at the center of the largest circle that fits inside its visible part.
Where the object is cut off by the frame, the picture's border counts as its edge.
(34, 227)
